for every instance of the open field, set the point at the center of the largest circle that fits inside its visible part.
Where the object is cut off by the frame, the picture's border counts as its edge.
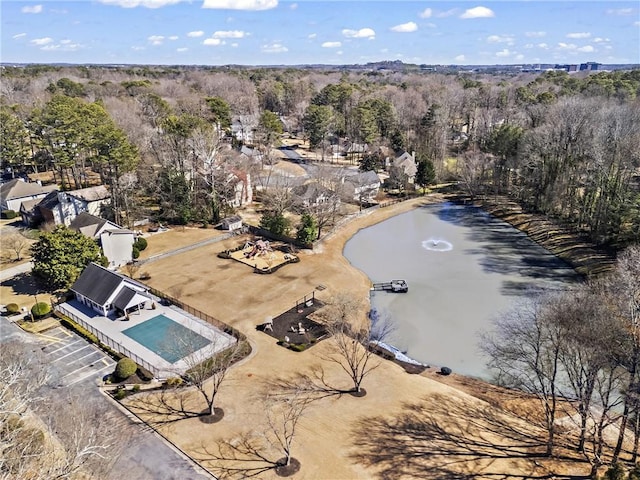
(346, 437)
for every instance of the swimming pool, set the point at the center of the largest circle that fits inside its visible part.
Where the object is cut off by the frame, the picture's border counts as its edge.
(167, 338)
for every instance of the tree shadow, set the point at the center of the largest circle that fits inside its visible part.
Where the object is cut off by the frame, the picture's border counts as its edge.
(25, 284)
(441, 437)
(169, 406)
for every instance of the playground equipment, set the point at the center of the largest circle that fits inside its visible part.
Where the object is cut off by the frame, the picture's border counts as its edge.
(259, 248)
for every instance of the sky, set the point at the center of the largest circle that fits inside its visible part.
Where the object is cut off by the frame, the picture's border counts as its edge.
(282, 32)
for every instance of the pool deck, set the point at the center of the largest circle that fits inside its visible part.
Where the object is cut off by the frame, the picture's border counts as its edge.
(113, 328)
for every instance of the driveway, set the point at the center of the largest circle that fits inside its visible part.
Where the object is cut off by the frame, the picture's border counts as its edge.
(11, 272)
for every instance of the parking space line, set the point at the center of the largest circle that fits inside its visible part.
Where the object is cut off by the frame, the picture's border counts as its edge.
(63, 347)
(81, 358)
(71, 353)
(49, 338)
(96, 372)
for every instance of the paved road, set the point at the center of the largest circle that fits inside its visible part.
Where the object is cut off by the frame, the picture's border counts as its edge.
(8, 273)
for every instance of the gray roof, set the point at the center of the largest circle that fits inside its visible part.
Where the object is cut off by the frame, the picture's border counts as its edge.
(17, 188)
(50, 201)
(90, 194)
(310, 191)
(123, 298)
(87, 224)
(97, 283)
(364, 178)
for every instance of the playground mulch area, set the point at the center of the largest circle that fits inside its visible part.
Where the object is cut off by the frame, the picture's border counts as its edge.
(287, 324)
(267, 260)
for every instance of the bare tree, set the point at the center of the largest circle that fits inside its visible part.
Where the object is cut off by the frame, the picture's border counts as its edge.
(207, 370)
(524, 352)
(45, 436)
(16, 243)
(265, 448)
(353, 338)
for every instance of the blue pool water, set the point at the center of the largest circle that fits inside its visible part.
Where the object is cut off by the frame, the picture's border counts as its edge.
(167, 338)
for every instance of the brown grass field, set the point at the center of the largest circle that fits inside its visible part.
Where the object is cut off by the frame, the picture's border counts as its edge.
(407, 426)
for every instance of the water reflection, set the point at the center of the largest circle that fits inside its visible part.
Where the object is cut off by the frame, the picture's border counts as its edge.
(454, 293)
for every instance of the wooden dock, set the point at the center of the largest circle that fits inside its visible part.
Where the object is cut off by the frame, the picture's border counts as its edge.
(397, 286)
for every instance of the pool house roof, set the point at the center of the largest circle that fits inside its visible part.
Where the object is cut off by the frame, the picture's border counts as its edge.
(98, 284)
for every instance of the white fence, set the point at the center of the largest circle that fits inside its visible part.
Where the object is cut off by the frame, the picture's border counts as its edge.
(106, 340)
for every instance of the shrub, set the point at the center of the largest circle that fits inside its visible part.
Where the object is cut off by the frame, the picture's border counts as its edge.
(120, 394)
(13, 308)
(40, 309)
(173, 382)
(140, 243)
(9, 214)
(298, 347)
(125, 368)
(135, 253)
(136, 388)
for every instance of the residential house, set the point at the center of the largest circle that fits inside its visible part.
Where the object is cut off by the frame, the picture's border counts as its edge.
(16, 191)
(253, 155)
(242, 128)
(107, 292)
(63, 207)
(312, 195)
(116, 242)
(406, 162)
(240, 188)
(363, 187)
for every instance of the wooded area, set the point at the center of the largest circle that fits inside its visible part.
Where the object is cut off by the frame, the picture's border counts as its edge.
(565, 145)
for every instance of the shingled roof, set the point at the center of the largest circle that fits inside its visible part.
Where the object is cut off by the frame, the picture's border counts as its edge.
(18, 188)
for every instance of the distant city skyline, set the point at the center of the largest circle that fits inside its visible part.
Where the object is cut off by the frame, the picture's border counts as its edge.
(276, 32)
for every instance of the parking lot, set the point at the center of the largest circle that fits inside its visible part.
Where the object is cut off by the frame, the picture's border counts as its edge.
(73, 359)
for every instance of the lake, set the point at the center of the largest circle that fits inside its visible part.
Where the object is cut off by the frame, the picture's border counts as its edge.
(463, 267)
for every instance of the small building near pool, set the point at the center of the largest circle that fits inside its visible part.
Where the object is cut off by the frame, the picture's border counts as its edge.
(108, 292)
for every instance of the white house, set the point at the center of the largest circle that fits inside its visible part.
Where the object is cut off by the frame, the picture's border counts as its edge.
(362, 187)
(108, 292)
(116, 242)
(16, 191)
(231, 223)
(407, 164)
(64, 207)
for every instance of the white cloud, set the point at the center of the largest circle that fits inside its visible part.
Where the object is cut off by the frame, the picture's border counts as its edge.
(331, 45)
(274, 48)
(460, 58)
(41, 41)
(235, 45)
(519, 57)
(64, 46)
(312, 35)
(636, 24)
(181, 49)
(229, 34)
(508, 39)
(66, 41)
(137, 49)
(140, 3)
(240, 4)
(620, 11)
(293, 6)
(586, 49)
(478, 12)
(426, 13)
(212, 42)
(535, 34)
(339, 52)
(405, 27)
(32, 9)
(503, 53)
(566, 46)
(19, 35)
(543, 45)
(578, 35)
(362, 33)
(173, 37)
(601, 40)
(196, 33)
(155, 39)
(447, 13)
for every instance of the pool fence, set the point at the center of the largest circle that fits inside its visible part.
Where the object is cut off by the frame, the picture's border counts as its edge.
(106, 340)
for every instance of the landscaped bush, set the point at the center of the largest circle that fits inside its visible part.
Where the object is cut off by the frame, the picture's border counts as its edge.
(298, 347)
(40, 309)
(140, 243)
(135, 253)
(125, 368)
(173, 382)
(120, 394)
(9, 214)
(12, 308)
